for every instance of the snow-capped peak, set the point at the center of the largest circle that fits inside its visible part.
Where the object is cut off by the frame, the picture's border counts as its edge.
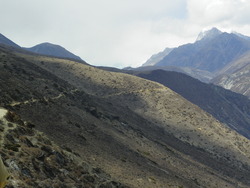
(208, 34)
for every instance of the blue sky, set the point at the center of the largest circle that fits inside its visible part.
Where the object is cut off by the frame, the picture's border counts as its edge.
(118, 33)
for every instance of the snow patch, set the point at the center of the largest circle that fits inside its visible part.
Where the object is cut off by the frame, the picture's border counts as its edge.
(228, 85)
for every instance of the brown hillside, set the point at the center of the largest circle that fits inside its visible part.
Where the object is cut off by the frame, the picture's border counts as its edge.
(140, 132)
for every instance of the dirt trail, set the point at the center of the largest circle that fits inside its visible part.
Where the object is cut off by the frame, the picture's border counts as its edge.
(42, 99)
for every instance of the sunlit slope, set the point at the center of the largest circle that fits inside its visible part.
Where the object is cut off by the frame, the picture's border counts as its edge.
(140, 132)
(152, 101)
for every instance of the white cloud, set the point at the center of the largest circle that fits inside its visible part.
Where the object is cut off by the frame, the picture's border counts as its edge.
(118, 32)
(222, 13)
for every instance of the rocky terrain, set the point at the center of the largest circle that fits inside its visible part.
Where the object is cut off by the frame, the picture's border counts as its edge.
(33, 160)
(140, 132)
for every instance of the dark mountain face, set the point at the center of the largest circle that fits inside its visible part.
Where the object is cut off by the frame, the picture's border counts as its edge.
(201, 75)
(210, 55)
(140, 132)
(53, 50)
(228, 107)
(8, 42)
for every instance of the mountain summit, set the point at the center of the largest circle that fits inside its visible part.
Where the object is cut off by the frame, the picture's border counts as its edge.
(212, 52)
(208, 34)
(53, 50)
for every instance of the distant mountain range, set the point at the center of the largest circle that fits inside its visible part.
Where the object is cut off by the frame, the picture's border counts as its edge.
(217, 57)
(212, 52)
(43, 49)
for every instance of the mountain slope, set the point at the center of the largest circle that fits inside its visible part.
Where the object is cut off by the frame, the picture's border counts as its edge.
(210, 55)
(53, 50)
(140, 132)
(228, 107)
(201, 75)
(242, 36)
(8, 42)
(236, 76)
(157, 57)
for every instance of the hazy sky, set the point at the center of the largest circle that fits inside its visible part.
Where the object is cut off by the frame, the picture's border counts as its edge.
(118, 32)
